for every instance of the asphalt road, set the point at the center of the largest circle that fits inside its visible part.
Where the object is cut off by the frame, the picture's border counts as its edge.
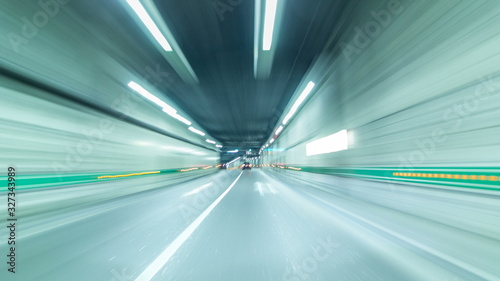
(257, 226)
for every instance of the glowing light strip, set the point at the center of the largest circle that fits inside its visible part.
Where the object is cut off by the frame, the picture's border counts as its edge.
(332, 143)
(187, 170)
(279, 130)
(448, 176)
(299, 101)
(128, 175)
(233, 160)
(178, 117)
(143, 92)
(196, 131)
(270, 17)
(149, 23)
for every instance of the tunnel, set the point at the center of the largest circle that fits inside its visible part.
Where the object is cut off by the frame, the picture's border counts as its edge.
(249, 140)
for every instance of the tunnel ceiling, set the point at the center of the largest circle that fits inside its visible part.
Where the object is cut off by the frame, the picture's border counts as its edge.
(228, 102)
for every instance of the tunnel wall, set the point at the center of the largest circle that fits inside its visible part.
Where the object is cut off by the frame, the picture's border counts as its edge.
(53, 65)
(67, 155)
(71, 127)
(53, 44)
(418, 89)
(45, 134)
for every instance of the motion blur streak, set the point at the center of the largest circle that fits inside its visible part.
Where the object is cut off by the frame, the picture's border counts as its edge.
(165, 256)
(128, 175)
(368, 133)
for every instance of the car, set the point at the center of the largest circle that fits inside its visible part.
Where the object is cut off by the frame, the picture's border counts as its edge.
(246, 166)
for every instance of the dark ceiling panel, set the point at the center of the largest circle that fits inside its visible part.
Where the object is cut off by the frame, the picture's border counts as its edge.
(229, 103)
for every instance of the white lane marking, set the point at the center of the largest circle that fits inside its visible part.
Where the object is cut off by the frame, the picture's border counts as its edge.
(259, 188)
(263, 189)
(444, 256)
(165, 256)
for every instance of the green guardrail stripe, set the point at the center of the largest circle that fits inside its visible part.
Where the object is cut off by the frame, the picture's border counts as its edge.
(24, 182)
(469, 177)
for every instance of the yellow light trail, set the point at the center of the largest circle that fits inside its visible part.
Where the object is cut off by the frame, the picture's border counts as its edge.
(128, 175)
(449, 176)
(187, 170)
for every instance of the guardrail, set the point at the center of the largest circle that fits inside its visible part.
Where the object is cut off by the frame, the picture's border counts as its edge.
(469, 177)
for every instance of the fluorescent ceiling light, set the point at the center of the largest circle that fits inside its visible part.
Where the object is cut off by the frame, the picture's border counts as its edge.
(271, 141)
(149, 23)
(196, 131)
(178, 117)
(233, 151)
(143, 92)
(332, 143)
(299, 101)
(219, 146)
(269, 19)
(210, 141)
(279, 130)
(233, 160)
